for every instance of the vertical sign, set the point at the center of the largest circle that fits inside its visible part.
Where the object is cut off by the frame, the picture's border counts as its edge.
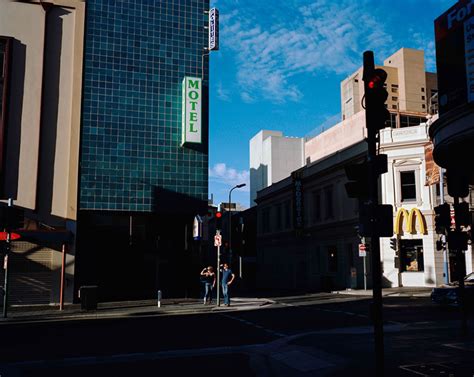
(191, 111)
(213, 29)
(432, 170)
(197, 228)
(298, 219)
(469, 55)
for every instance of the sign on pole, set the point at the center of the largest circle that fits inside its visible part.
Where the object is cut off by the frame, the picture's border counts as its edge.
(213, 29)
(362, 250)
(217, 240)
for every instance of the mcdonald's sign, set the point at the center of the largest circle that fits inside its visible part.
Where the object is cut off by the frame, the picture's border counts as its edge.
(402, 215)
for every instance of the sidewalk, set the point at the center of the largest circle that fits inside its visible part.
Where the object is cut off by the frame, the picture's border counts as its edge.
(41, 313)
(390, 292)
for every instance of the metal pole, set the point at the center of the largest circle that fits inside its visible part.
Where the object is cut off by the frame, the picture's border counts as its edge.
(443, 237)
(63, 273)
(365, 275)
(230, 228)
(218, 275)
(377, 310)
(461, 272)
(5, 262)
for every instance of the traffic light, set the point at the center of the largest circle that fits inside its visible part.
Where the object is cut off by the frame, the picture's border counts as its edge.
(358, 176)
(375, 97)
(218, 217)
(393, 244)
(461, 214)
(442, 218)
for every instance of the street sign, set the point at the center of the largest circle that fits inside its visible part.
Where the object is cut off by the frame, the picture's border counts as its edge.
(362, 250)
(217, 240)
(13, 236)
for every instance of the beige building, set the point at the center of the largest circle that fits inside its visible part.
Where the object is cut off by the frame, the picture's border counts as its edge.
(412, 95)
(409, 86)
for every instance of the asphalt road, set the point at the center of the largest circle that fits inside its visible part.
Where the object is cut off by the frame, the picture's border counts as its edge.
(300, 336)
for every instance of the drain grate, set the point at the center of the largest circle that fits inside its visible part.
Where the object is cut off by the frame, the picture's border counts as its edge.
(432, 369)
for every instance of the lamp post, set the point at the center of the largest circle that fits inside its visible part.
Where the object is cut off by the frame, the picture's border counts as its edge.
(230, 224)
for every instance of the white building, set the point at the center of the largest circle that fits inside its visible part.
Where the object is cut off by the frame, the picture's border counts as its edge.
(272, 158)
(418, 263)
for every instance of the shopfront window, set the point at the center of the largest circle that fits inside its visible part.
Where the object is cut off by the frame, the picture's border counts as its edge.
(411, 256)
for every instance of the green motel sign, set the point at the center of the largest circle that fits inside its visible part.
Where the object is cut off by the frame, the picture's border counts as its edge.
(191, 112)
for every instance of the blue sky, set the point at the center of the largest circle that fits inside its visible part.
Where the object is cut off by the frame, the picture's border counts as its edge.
(281, 62)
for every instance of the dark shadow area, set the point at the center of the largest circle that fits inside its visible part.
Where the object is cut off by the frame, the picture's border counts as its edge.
(15, 112)
(49, 108)
(131, 256)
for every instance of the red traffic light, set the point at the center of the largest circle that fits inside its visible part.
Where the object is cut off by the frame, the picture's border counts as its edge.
(378, 79)
(218, 215)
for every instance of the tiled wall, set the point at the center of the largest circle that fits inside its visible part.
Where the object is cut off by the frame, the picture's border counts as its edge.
(136, 55)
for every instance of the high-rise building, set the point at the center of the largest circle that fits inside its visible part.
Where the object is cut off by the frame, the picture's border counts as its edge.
(107, 136)
(410, 88)
(412, 97)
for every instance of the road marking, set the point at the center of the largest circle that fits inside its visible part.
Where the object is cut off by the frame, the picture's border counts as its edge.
(253, 324)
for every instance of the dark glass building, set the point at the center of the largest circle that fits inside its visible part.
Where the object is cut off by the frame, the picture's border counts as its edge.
(139, 188)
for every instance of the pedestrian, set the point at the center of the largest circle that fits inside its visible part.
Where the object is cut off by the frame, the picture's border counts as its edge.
(227, 279)
(208, 277)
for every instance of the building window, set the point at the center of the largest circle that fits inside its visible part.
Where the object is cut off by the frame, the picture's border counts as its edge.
(316, 206)
(422, 97)
(287, 211)
(422, 89)
(423, 106)
(408, 121)
(393, 120)
(332, 259)
(328, 200)
(394, 98)
(314, 261)
(408, 185)
(394, 90)
(411, 256)
(278, 217)
(394, 107)
(266, 220)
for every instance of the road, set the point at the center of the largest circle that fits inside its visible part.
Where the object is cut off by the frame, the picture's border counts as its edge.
(322, 335)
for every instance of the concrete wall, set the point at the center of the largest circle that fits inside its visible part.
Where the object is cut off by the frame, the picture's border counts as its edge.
(411, 78)
(44, 116)
(338, 137)
(272, 158)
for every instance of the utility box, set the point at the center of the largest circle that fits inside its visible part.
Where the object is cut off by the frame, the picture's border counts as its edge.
(89, 297)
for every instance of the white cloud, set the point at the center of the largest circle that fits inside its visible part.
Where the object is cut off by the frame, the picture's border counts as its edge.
(222, 94)
(221, 173)
(324, 36)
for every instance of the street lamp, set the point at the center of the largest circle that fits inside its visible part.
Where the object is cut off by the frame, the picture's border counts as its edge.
(230, 227)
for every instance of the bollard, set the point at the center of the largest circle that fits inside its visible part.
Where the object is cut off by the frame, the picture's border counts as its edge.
(159, 299)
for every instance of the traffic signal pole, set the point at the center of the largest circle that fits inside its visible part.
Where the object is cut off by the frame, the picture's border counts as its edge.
(376, 307)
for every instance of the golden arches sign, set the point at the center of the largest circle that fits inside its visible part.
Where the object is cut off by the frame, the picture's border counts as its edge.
(411, 217)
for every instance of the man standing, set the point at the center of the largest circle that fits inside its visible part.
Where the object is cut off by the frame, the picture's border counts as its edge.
(227, 279)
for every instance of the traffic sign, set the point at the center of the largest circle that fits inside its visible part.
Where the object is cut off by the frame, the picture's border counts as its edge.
(217, 240)
(362, 250)
(13, 236)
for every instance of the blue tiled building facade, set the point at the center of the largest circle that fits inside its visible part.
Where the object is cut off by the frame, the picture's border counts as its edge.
(136, 55)
(139, 188)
